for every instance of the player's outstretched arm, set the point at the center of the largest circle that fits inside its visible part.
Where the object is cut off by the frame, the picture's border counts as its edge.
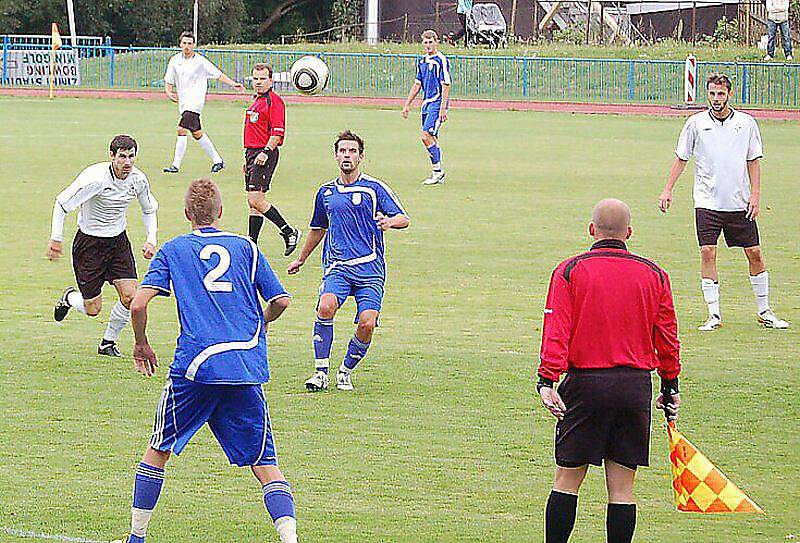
(312, 240)
(231, 83)
(143, 355)
(675, 171)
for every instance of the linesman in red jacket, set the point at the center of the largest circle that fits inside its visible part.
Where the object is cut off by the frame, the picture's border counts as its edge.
(264, 131)
(609, 322)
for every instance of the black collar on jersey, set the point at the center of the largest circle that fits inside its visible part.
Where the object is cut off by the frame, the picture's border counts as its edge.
(267, 95)
(609, 244)
(720, 121)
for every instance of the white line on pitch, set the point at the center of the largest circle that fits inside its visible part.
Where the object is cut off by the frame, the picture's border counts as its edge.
(35, 535)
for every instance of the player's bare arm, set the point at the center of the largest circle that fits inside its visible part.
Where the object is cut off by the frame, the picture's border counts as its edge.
(276, 307)
(553, 402)
(272, 144)
(231, 83)
(754, 202)
(445, 98)
(169, 88)
(411, 95)
(55, 249)
(398, 222)
(675, 171)
(143, 355)
(315, 236)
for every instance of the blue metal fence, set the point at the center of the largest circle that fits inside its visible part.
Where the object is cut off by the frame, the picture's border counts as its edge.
(483, 77)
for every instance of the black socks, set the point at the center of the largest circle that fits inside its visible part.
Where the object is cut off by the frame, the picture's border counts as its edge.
(559, 516)
(620, 522)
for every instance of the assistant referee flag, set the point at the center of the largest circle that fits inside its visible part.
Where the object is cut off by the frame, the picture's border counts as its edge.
(55, 42)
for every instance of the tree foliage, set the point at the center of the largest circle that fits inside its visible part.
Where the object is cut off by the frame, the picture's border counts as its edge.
(159, 22)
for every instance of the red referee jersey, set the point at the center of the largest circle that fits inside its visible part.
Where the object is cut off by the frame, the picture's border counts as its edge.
(265, 117)
(608, 307)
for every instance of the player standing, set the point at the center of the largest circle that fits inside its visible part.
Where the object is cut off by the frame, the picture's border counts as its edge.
(351, 213)
(726, 146)
(186, 82)
(220, 362)
(101, 251)
(264, 130)
(433, 78)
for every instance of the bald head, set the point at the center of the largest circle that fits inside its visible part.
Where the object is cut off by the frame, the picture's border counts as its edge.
(611, 219)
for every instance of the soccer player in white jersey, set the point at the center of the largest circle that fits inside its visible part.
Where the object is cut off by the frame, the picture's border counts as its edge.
(220, 362)
(101, 251)
(726, 145)
(351, 213)
(433, 79)
(186, 82)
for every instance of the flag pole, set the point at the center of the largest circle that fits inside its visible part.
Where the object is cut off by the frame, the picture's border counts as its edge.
(52, 69)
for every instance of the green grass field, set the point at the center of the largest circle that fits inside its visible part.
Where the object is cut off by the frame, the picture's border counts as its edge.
(444, 439)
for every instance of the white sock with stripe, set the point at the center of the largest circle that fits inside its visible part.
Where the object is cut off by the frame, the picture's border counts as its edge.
(119, 319)
(760, 285)
(711, 295)
(208, 147)
(75, 301)
(180, 149)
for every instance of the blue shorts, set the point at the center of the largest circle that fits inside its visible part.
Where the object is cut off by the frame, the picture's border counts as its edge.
(430, 121)
(367, 292)
(237, 415)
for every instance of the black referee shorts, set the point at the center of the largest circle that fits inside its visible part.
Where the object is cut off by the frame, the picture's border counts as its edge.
(608, 417)
(259, 178)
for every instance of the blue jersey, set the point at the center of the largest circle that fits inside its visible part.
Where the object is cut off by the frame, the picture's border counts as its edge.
(353, 240)
(217, 277)
(433, 71)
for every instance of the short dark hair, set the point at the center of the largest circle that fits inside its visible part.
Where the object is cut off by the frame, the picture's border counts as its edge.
(262, 66)
(349, 135)
(719, 79)
(122, 142)
(202, 201)
(186, 34)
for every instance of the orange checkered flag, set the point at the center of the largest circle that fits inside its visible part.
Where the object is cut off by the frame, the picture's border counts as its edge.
(700, 487)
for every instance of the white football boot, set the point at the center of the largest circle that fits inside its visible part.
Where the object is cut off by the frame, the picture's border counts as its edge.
(319, 381)
(343, 381)
(769, 320)
(436, 178)
(712, 323)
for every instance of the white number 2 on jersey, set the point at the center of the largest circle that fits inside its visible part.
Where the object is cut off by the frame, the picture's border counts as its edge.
(210, 280)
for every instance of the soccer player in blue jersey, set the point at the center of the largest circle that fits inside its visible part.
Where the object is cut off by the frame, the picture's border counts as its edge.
(220, 360)
(351, 213)
(433, 78)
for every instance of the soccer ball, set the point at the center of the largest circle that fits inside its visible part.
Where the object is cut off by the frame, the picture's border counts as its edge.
(310, 75)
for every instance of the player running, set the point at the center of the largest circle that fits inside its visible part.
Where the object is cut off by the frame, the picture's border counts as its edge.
(101, 251)
(433, 78)
(220, 362)
(351, 213)
(186, 82)
(264, 130)
(726, 146)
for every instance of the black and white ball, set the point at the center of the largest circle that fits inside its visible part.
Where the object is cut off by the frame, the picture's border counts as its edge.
(310, 75)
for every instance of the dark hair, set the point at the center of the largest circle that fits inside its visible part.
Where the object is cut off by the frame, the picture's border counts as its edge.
(719, 79)
(186, 34)
(262, 66)
(348, 135)
(122, 142)
(202, 201)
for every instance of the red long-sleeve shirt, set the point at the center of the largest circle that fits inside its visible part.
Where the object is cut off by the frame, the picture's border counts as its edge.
(265, 117)
(608, 307)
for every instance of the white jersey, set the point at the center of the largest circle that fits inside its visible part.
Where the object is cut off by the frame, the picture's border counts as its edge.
(190, 77)
(721, 150)
(103, 199)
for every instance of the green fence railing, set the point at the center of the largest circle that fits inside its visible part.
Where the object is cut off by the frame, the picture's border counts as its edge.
(483, 77)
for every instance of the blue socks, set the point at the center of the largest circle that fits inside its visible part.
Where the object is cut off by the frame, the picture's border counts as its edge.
(436, 156)
(356, 351)
(146, 489)
(323, 340)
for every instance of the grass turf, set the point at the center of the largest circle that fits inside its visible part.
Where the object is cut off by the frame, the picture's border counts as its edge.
(443, 439)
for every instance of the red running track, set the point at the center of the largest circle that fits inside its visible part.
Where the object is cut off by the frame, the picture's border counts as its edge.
(498, 105)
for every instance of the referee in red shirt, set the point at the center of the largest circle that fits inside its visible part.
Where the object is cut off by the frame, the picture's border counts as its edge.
(264, 130)
(609, 322)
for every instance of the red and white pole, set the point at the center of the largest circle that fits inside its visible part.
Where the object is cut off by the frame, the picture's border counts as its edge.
(690, 80)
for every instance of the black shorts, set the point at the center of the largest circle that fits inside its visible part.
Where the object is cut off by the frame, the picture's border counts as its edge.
(100, 260)
(738, 229)
(608, 417)
(190, 121)
(259, 177)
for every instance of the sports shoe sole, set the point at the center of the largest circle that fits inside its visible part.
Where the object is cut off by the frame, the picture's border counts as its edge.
(311, 387)
(62, 305)
(767, 324)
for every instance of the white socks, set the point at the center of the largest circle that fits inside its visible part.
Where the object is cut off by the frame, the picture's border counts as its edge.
(75, 301)
(760, 285)
(118, 320)
(711, 295)
(180, 150)
(208, 147)
(287, 529)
